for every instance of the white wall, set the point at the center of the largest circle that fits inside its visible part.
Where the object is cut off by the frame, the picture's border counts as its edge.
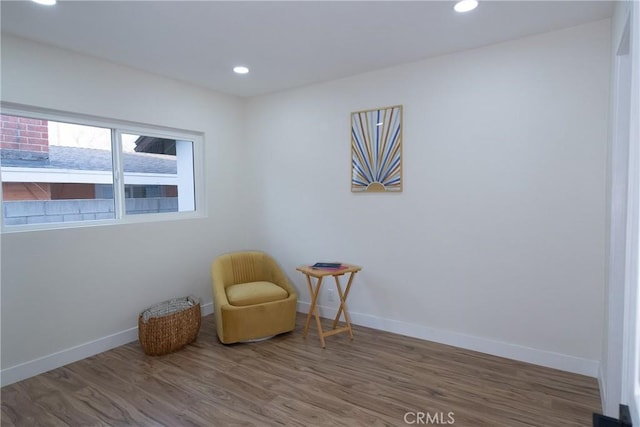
(497, 242)
(64, 288)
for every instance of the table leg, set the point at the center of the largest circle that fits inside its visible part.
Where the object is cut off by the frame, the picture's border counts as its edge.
(313, 309)
(343, 304)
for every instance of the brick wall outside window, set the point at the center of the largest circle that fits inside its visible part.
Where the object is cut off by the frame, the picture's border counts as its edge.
(24, 134)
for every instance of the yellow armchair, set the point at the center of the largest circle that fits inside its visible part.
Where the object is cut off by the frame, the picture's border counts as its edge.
(252, 297)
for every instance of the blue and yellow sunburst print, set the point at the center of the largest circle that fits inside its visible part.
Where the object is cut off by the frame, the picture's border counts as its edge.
(376, 150)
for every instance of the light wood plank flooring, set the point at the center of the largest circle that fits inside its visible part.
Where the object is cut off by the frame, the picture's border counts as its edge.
(371, 381)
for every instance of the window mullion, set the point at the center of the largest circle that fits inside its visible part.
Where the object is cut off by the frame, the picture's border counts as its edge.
(118, 173)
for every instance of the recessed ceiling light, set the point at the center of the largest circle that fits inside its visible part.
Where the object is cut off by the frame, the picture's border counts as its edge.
(465, 5)
(240, 70)
(45, 2)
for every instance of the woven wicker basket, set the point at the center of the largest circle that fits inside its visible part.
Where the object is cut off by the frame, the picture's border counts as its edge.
(169, 332)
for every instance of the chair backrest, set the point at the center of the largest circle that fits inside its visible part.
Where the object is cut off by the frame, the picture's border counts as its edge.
(243, 267)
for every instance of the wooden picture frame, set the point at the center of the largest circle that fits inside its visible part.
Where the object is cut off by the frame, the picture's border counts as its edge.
(376, 150)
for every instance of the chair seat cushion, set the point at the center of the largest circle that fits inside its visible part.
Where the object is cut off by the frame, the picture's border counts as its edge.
(254, 293)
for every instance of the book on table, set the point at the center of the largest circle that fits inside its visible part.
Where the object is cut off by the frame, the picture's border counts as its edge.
(328, 266)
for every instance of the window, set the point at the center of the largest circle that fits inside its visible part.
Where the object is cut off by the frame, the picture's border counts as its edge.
(58, 171)
(158, 174)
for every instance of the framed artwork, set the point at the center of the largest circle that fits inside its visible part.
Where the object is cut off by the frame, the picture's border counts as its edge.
(376, 150)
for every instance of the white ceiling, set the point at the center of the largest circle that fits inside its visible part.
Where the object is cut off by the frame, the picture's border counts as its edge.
(285, 44)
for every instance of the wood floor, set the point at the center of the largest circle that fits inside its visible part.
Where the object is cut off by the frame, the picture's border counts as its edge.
(379, 379)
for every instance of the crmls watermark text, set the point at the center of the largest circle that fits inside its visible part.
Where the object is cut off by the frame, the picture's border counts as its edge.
(429, 418)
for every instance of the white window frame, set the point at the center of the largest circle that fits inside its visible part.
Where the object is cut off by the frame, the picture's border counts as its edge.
(118, 127)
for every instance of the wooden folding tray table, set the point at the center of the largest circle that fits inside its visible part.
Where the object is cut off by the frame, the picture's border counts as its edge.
(314, 290)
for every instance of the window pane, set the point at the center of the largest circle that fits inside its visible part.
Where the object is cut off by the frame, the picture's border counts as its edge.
(158, 174)
(53, 171)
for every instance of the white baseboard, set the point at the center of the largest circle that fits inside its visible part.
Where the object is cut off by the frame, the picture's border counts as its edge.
(46, 363)
(602, 384)
(206, 309)
(511, 351)
(535, 356)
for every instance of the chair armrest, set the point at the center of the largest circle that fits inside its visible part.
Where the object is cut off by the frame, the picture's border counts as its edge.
(279, 278)
(219, 294)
